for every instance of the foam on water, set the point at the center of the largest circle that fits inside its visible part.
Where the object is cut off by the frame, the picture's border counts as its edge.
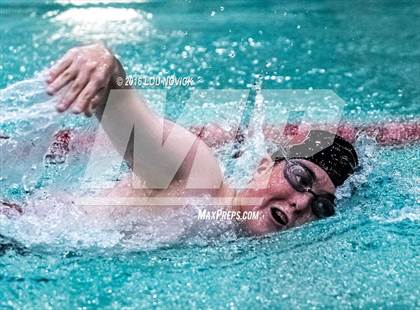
(53, 221)
(367, 150)
(405, 214)
(47, 192)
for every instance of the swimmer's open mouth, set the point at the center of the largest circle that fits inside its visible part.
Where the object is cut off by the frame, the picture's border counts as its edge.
(279, 216)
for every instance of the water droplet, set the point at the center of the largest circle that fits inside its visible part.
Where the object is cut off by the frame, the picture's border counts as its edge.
(251, 42)
(220, 51)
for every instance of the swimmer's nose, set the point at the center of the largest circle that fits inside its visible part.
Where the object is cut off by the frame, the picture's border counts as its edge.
(299, 202)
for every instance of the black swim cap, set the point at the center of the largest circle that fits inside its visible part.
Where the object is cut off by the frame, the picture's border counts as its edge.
(330, 152)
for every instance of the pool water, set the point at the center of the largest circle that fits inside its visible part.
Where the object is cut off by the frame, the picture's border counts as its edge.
(366, 256)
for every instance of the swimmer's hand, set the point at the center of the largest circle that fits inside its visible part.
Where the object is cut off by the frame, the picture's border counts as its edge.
(88, 71)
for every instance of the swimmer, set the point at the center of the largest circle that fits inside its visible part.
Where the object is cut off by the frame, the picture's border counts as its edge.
(298, 189)
(292, 188)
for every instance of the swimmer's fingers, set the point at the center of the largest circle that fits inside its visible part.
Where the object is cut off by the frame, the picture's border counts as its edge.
(63, 79)
(78, 85)
(88, 69)
(89, 108)
(95, 102)
(88, 93)
(60, 66)
(88, 113)
(98, 87)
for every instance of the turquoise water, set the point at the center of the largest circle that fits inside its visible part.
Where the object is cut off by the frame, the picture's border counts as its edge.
(366, 256)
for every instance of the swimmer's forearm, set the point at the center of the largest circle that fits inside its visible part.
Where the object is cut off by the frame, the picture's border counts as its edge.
(165, 149)
(88, 74)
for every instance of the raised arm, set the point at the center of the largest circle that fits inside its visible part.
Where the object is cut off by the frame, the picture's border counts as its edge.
(163, 149)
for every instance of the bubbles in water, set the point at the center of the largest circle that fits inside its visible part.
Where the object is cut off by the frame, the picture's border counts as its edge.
(404, 214)
(251, 42)
(366, 148)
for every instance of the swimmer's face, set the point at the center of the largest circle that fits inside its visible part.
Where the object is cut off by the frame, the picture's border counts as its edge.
(280, 205)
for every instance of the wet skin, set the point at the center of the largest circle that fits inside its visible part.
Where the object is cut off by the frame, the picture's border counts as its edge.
(292, 208)
(89, 73)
